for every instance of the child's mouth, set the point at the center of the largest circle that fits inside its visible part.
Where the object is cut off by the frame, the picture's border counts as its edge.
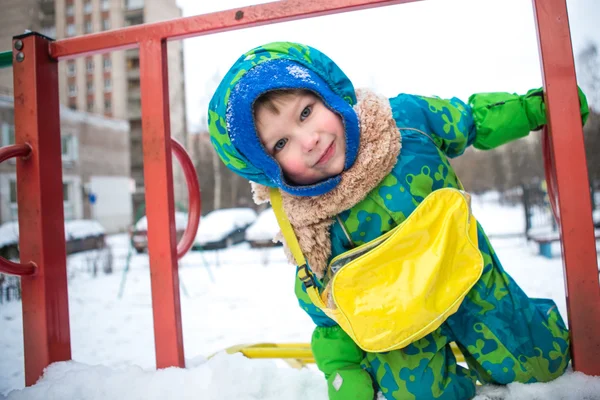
(327, 155)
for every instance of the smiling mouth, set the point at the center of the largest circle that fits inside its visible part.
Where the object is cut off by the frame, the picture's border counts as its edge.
(327, 154)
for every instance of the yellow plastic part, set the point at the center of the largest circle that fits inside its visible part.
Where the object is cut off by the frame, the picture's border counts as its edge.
(297, 355)
(403, 285)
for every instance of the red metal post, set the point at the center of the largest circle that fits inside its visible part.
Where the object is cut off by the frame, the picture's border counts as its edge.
(570, 171)
(160, 204)
(40, 198)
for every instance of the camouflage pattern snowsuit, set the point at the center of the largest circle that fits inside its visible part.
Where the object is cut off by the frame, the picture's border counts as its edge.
(504, 335)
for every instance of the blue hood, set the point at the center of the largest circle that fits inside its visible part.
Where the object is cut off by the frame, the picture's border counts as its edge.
(279, 65)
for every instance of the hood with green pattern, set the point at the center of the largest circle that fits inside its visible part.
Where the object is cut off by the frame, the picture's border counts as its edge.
(279, 65)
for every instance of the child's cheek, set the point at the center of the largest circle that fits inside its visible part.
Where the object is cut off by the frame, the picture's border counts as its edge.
(292, 166)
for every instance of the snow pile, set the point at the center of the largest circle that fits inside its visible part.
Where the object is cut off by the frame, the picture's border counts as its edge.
(264, 228)
(181, 220)
(236, 377)
(570, 386)
(74, 229)
(216, 225)
(222, 377)
(9, 233)
(83, 228)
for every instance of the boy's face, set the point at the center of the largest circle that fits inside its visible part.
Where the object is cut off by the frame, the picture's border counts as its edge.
(305, 137)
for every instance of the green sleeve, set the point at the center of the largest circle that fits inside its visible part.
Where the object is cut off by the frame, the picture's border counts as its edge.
(339, 358)
(502, 117)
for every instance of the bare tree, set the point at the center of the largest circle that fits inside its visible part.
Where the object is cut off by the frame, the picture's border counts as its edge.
(588, 69)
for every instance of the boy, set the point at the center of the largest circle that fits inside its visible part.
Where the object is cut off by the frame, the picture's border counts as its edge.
(352, 166)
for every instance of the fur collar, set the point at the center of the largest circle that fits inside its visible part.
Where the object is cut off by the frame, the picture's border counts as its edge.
(379, 147)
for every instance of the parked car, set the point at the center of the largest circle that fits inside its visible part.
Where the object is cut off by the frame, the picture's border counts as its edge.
(139, 233)
(263, 230)
(223, 228)
(80, 235)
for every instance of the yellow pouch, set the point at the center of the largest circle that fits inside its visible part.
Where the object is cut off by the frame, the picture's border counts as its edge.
(403, 285)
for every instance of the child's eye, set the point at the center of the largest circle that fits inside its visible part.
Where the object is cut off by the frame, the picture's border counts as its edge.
(280, 144)
(305, 113)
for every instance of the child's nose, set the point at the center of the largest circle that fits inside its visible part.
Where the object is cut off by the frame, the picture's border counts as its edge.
(310, 141)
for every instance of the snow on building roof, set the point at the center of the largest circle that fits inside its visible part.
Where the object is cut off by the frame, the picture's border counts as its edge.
(74, 229)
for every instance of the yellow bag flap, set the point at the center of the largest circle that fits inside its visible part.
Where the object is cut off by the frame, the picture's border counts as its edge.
(407, 286)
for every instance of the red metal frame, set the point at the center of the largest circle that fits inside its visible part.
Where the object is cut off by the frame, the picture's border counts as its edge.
(46, 333)
(568, 176)
(47, 339)
(6, 266)
(195, 201)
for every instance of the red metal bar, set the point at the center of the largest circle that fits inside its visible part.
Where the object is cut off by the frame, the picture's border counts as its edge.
(181, 28)
(570, 171)
(195, 203)
(6, 266)
(46, 333)
(160, 204)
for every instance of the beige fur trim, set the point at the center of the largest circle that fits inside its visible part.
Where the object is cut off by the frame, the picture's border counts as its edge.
(377, 154)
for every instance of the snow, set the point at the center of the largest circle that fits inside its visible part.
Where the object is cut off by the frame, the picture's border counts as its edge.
(82, 228)
(230, 297)
(181, 220)
(264, 228)
(9, 233)
(216, 225)
(74, 229)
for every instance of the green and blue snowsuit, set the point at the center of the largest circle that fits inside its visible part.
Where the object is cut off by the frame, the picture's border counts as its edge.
(504, 335)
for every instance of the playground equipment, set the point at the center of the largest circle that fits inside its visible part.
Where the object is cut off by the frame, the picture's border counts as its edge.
(35, 59)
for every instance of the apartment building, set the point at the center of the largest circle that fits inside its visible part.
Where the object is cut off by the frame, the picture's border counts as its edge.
(106, 84)
(95, 167)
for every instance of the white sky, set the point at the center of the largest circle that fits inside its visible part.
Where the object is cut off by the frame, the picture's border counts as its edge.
(433, 47)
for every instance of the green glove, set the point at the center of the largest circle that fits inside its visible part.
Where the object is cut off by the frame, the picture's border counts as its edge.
(536, 109)
(502, 117)
(339, 358)
(353, 383)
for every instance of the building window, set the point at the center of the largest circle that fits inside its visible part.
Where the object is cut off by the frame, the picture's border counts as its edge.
(89, 66)
(72, 90)
(70, 10)
(107, 85)
(8, 134)
(107, 64)
(105, 5)
(68, 203)
(68, 144)
(71, 68)
(87, 27)
(133, 63)
(134, 20)
(107, 106)
(73, 106)
(105, 24)
(90, 87)
(13, 191)
(90, 106)
(71, 30)
(87, 7)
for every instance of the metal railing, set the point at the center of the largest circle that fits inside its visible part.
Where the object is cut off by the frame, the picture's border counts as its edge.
(46, 339)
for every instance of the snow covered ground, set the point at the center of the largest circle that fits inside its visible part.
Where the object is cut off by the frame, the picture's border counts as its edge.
(228, 297)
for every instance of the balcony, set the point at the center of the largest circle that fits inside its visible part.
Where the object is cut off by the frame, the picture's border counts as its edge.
(134, 94)
(134, 4)
(134, 110)
(133, 73)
